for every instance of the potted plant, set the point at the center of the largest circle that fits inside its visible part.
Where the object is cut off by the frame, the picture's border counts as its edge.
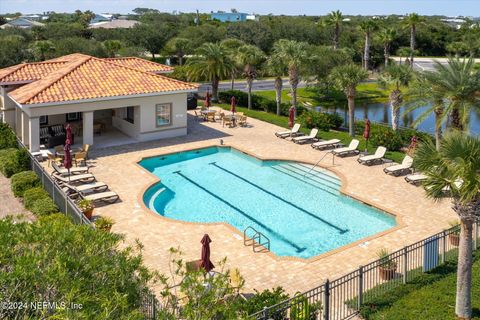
(104, 223)
(87, 207)
(454, 235)
(387, 267)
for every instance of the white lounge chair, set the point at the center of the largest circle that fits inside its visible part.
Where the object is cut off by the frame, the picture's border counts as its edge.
(107, 196)
(73, 170)
(351, 149)
(82, 178)
(289, 133)
(377, 157)
(311, 137)
(415, 178)
(326, 144)
(88, 187)
(398, 169)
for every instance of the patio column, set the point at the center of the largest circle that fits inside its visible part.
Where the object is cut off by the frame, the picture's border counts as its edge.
(34, 135)
(88, 127)
(25, 128)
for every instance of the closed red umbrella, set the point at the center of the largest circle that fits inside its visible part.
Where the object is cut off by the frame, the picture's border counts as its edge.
(207, 100)
(233, 104)
(366, 133)
(205, 262)
(68, 128)
(291, 116)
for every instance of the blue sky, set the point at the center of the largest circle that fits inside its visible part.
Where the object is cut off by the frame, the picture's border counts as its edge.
(308, 7)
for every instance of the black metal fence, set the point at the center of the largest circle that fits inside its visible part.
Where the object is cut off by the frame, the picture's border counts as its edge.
(342, 298)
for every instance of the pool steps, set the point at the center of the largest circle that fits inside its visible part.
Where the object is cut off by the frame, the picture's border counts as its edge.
(316, 177)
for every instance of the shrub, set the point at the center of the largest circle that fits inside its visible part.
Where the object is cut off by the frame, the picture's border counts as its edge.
(264, 299)
(44, 206)
(313, 119)
(32, 195)
(13, 161)
(7, 137)
(335, 120)
(387, 137)
(23, 181)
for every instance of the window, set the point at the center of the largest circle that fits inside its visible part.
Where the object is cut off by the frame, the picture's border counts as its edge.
(130, 114)
(43, 120)
(163, 114)
(74, 116)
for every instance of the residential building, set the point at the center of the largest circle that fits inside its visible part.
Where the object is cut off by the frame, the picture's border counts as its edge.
(114, 24)
(101, 17)
(128, 98)
(229, 16)
(22, 23)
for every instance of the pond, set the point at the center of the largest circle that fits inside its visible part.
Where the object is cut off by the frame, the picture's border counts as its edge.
(381, 112)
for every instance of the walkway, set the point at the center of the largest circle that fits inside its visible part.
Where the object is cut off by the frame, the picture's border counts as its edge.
(9, 205)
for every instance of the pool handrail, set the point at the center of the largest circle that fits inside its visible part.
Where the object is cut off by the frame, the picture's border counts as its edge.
(255, 239)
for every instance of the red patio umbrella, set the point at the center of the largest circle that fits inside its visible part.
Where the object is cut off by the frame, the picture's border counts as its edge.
(68, 128)
(366, 133)
(207, 99)
(291, 116)
(233, 104)
(67, 158)
(205, 262)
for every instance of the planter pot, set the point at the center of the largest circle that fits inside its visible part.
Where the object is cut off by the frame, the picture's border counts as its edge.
(454, 239)
(88, 214)
(387, 273)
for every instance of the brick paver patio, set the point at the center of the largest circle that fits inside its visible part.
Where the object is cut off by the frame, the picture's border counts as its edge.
(417, 216)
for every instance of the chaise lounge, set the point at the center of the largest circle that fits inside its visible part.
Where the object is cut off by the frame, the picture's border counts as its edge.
(304, 139)
(398, 169)
(332, 143)
(375, 158)
(73, 170)
(415, 178)
(351, 149)
(289, 133)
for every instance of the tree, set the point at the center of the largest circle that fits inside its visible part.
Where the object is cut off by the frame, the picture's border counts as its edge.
(346, 78)
(278, 68)
(335, 18)
(112, 47)
(455, 167)
(295, 56)
(396, 75)
(12, 50)
(412, 21)
(210, 63)
(43, 49)
(367, 27)
(386, 36)
(179, 47)
(151, 36)
(232, 45)
(250, 57)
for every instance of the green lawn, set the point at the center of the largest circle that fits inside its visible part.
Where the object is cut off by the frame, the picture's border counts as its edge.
(430, 296)
(282, 121)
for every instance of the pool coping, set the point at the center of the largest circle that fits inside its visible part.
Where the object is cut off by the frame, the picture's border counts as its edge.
(398, 219)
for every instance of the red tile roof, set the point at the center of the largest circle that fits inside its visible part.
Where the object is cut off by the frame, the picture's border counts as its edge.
(28, 72)
(86, 77)
(142, 64)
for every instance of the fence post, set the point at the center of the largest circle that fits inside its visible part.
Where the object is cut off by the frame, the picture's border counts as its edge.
(360, 287)
(444, 246)
(405, 265)
(154, 307)
(327, 300)
(475, 235)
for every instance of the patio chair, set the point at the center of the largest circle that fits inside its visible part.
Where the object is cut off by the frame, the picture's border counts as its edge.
(398, 169)
(198, 115)
(311, 137)
(227, 121)
(85, 148)
(80, 157)
(242, 121)
(107, 196)
(332, 143)
(211, 116)
(351, 149)
(377, 157)
(76, 178)
(289, 133)
(53, 159)
(73, 170)
(85, 188)
(415, 178)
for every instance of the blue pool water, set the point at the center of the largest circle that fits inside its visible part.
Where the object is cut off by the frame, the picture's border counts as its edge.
(303, 214)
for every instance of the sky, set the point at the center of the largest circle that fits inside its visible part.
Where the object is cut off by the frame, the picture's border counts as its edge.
(288, 7)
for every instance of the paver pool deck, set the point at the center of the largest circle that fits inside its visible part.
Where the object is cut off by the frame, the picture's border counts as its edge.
(417, 217)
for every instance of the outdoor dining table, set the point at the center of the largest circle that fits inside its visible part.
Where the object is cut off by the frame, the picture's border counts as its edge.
(231, 117)
(205, 113)
(72, 151)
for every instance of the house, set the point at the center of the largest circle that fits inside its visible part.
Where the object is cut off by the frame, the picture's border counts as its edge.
(101, 17)
(127, 99)
(229, 16)
(114, 24)
(22, 23)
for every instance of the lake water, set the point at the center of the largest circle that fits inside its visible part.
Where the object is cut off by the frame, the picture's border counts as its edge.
(380, 112)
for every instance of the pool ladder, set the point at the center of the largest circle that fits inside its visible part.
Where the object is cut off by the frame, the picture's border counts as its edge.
(256, 240)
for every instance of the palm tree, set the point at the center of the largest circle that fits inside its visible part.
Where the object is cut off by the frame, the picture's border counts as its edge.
(386, 36)
(346, 78)
(232, 45)
(396, 75)
(278, 68)
(179, 47)
(411, 21)
(294, 54)
(335, 18)
(367, 27)
(250, 57)
(456, 166)
(112, 47)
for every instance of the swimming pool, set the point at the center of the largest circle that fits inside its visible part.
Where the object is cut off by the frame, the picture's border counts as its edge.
(301, 212)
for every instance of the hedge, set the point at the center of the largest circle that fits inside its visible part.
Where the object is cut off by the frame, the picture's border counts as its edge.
(320, 120)
(23, 181)
(32, 195)
(44, 206)
(7, 137)
(13, 161)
